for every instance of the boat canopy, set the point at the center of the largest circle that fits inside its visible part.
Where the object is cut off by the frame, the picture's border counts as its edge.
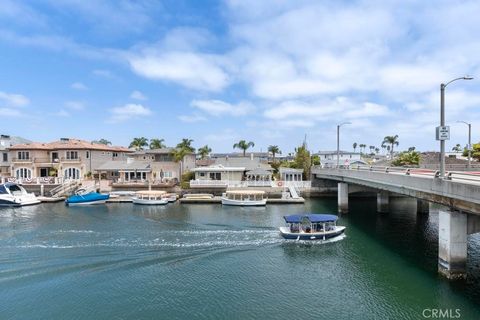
(151, 193)
(312, 217)
(246, 192)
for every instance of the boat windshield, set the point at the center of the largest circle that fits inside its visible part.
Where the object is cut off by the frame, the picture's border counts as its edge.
(3, 190)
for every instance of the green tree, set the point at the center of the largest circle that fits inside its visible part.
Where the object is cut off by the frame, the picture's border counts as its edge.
(457, 148)
(157, 143)
(316, 160)
(204, 151)
(411, 149)
(103, 141)
(243, 145)
(377, 150)
(303, 161)
(391, 141)
(407, 158)
(186, 144)
(355, 146)
(139, 143)
(274, 150)
(475, 151)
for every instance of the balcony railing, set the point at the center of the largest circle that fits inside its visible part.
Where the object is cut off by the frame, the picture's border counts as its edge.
(28, 160)
(64, 159)
(38, 180)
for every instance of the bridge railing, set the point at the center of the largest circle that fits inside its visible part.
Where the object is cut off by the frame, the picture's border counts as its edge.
(459, 176)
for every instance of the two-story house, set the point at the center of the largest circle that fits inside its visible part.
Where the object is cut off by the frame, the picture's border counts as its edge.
(66, 158)
(6, 142)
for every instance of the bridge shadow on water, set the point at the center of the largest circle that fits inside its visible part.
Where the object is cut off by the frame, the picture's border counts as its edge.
(412, 237)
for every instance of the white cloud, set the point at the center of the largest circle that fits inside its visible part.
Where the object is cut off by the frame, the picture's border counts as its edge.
(78, 86)
(62, 113)
(75, 105)
(137, 95)
(192, 118)
(129, 111)
(14, 100)
(104, 74)
(219, 108)
(8, 112)
(190, 69)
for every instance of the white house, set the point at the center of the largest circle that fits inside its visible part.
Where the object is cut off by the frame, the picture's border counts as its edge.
(346, 158)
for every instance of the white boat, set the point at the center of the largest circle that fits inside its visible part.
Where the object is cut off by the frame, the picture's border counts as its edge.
(244, 198)
(15, 195)
(150, 197)
(311, 227)
(171, 197)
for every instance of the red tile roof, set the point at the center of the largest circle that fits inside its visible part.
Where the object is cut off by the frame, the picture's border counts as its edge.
(70, 144)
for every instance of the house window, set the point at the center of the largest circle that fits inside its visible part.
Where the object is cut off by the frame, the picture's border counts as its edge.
(72, 155)
(115, 154)
(71, 173)
(5, 157)
(23, 173)
(201, 174)
(215, 176)
(23, 155)
(54, 156)
(88, 155)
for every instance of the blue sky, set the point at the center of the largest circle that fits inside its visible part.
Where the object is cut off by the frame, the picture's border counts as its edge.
(221, 71)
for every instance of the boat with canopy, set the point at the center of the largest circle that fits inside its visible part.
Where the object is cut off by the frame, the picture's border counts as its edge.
(150, 197)
(311, 226)
(244, 198)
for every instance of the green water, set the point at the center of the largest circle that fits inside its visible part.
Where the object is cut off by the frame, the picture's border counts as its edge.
(122, 261)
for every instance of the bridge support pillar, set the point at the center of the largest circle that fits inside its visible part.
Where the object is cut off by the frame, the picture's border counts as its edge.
(452, 244)
(423, 206)
(342, 197)
(382, 201)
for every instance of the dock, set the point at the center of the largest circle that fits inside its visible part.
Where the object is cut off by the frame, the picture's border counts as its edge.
(218, 200)
(50, 199)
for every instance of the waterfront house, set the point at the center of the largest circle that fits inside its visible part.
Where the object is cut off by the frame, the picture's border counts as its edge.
(291, 174)
(155, 165)
(66, 158)
(236, 171)
(6, 142)
(346, 158)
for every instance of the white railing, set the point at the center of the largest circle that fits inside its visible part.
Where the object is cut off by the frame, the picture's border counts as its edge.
(38, 180)
(244, 184)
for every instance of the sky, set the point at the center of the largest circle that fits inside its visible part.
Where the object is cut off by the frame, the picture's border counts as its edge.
(271, 72)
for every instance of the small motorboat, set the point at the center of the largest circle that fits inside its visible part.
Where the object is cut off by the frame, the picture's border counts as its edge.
(171, 197)
(83, 197)
(15, 195)
(311, 227)
(150, 197)
(244, 198)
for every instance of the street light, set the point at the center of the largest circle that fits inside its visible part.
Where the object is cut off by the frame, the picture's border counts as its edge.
(469, 146)
(338, 141)
(443, 132)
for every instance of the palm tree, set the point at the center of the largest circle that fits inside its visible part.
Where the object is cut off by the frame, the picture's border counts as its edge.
(411, 149)
(204, 151)
(274, 150)
(242, 144)
(377, 150)
(354, 146)
(186, 144)
(103, 141)
(457, 148)
(392, 141)
(362, 146)
(371, 148)
(139, 143)
(157, 143)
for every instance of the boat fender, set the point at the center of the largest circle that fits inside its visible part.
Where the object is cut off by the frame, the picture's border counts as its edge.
(280, 183)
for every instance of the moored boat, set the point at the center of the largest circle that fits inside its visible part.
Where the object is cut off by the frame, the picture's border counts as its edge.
(150, 197)
(171, 197)
(83, 197)
(311, 227)
(15, 195)
(244, 198)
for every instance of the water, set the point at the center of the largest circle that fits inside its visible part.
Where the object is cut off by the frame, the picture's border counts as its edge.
(121, 261)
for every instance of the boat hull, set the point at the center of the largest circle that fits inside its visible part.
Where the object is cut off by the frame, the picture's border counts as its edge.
(287, 234)
(243, 203)
(18, 201)
(156, 202)
(87, 199)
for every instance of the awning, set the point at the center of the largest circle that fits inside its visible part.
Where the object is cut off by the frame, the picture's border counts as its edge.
(312, 217)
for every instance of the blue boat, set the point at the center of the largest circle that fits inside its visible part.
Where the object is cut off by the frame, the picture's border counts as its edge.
(82, 197)
(311, 226)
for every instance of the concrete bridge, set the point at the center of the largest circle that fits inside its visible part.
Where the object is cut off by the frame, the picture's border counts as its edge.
(458, 193)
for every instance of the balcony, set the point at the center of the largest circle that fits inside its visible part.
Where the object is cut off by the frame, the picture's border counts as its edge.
(22, 160)
(70, 160)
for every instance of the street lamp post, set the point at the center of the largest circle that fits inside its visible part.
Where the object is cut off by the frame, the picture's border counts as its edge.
(469, 146)
(338, 141)
(442, 123)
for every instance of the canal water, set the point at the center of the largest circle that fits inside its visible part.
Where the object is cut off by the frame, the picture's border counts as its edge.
(121, 261)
